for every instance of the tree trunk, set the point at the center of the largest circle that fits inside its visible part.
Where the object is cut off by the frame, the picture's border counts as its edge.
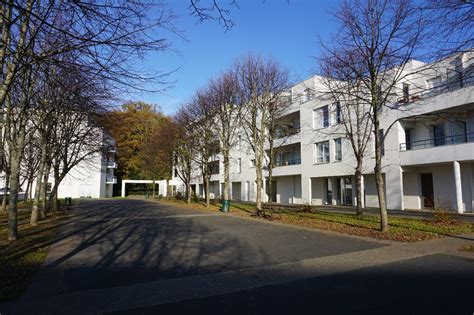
(13, 198)
(258, 201)
(379, 178)
(226, 175)
(44, 191)
(208, 195)
(153, 191)
(358, 176)
(38, 189)
(5, 193)
(188, 190)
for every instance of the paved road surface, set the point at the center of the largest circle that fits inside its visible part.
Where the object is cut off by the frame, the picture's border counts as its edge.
(133, 256)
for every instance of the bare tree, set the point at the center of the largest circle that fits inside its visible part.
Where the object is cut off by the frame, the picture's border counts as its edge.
(352, 114)
(375, 42)
(261, 84)
(104, 39)
(223, 95)
(184, 150)
(202, 114)
(450, 26)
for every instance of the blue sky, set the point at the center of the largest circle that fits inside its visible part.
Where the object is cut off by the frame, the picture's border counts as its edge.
(287, 31)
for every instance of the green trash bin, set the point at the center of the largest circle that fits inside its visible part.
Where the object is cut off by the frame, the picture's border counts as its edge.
(225, 206)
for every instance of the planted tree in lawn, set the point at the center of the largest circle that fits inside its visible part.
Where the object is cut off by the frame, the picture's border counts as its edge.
(261, 85)
(185, 150)
(373, 45)
(202, 115)
(223, 96)
(352, 112)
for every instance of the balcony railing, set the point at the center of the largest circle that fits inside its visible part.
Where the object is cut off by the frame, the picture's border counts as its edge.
(111, 180)
(437, 142)
(287, 132)
(295, 161)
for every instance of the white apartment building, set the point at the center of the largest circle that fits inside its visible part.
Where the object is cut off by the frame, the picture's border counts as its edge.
(90, 178)
(428, 152)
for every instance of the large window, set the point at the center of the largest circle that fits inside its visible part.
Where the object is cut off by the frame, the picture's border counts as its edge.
(438, 135)
(382, 142)
(337, 150)
(322, 152)
(321, 117)
(338, 114)
(239, 165)
(213, 167)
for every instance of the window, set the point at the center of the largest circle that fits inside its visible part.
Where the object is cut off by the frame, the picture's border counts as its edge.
(252, 162)
(438, 135)
(382, 142)
(239, 142)
(214, 148)
(321, 117)
(175, 172)
(406, 92)
(213, 167)
(434, 83)
(322, 152)
(338, 113)
(337, 150)
(239, 165)
(459, 131)
(407, 139)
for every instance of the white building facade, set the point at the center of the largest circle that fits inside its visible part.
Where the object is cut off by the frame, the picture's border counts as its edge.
(91, 178)
(428, 152)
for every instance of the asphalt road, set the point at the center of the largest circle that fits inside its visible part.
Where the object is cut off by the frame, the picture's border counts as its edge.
(132, 256)
(124, 242)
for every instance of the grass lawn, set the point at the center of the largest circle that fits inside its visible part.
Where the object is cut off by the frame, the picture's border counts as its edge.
(401, 229)
(21, 259)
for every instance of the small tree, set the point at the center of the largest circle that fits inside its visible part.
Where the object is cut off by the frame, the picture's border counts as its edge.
(223, 95)
(184, 149)
(373, 46)
(261, 84)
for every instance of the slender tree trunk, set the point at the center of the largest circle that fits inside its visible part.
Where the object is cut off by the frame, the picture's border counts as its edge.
(358, 176)
(226, 174)
(208, 194)
(379, 177)
(153, 191)
(13, 197)
(189, 192)
(44, 192)
(258, 170)
(5, 193)
(39, 189)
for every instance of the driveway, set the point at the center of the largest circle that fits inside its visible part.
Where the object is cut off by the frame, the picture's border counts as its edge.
(137, 256)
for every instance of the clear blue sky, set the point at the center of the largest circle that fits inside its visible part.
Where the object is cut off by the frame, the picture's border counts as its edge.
(287, 31)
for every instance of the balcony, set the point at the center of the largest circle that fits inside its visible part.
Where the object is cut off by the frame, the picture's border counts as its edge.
(438, 150)
(437, 142)
(111, 180)
(294, 161)
(111, 164)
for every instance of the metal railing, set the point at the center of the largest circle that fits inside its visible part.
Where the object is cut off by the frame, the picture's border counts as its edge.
(111, 179)
(287, 132)
(295, 161)
(437, 142)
